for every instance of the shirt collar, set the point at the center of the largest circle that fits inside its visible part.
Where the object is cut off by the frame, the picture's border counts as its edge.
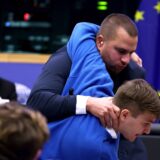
(112, 132)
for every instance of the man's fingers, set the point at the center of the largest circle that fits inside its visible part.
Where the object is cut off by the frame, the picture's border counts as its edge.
(103, 121)
(114, 121)
(108, 121)
(112, 118)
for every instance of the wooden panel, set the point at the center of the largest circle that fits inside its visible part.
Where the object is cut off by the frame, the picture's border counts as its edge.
(23, 58)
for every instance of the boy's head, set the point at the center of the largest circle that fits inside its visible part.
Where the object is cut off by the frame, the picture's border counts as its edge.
(22, 132)
(140, 106)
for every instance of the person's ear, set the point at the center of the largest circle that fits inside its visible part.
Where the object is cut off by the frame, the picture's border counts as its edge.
(99, 41)
(125, 113)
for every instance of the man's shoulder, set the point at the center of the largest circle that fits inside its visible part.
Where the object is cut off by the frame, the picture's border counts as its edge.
(133, 71)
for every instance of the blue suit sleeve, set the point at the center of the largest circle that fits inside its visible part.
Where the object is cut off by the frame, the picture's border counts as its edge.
(88, 75)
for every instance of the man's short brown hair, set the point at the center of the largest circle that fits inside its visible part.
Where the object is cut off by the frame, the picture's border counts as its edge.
(138, 96)
(115, 21)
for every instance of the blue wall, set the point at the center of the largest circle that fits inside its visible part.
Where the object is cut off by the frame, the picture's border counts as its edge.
(25, 73)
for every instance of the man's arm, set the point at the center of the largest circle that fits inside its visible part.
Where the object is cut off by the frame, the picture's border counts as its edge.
(46, 93)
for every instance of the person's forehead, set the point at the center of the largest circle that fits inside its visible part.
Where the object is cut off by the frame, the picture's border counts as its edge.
(148, 117)
(122, 33)
(125, 41)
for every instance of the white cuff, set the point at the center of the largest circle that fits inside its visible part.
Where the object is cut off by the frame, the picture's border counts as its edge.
(81, 104)
(3, 101)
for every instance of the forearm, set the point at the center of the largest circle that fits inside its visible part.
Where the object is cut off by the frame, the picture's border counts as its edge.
(46, 92)
(52, 105)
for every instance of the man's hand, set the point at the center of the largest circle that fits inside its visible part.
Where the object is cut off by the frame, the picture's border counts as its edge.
(105, 110)
(136, 58)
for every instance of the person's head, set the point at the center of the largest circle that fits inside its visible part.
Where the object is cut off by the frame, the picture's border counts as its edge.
(22, 132)
(139, 106)
(116, 41)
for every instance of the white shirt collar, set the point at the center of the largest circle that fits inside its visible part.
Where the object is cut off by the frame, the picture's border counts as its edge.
(112, 132)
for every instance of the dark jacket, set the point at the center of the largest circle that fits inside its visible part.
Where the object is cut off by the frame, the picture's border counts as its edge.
(7, 90)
